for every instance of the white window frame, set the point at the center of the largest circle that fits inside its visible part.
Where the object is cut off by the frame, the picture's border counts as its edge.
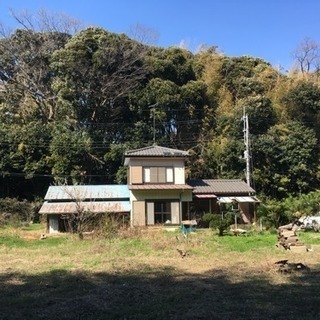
(146, 175)
(169, 175)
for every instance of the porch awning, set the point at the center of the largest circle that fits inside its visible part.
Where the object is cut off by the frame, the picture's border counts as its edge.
(237, 199)
(226, 199)
(204, 196)
(246, 199)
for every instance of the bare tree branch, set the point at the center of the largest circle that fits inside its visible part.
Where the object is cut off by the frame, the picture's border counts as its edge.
(24, 19)
(307, 55)
(143, 34)
(43, 21)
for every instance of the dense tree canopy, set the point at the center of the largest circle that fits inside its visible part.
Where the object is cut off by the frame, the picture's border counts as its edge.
(70, 105)
(285, 160)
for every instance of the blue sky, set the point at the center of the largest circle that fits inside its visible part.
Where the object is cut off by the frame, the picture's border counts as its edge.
(268, 29)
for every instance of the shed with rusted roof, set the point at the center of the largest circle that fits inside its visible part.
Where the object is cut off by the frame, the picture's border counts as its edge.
(63, 201)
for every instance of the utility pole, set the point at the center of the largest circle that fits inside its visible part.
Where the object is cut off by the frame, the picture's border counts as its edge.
(247, 155)
(154, 126)
(153, 107)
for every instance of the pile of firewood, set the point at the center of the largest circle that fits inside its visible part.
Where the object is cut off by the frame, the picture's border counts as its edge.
(287, 238)
(289, 267)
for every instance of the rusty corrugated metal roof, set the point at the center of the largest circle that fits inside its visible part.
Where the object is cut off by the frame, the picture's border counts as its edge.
(95, 207)
(87, 192)
(160, 187)
(221, 187)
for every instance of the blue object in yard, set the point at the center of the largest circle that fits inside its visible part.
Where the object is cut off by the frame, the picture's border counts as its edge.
(188, 226)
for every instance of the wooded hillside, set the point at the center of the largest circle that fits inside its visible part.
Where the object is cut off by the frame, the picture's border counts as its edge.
(70, 105)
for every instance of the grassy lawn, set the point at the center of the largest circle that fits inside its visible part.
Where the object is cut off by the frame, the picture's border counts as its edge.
(143, 276)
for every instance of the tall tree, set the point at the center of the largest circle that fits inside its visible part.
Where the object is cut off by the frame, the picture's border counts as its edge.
(24, 170)
(240, 76)
(172, 98)
(174, 64)
(71, 156)
(307, 55)
(97, 72)
(285, 160)
(302, 103)
(26, 76)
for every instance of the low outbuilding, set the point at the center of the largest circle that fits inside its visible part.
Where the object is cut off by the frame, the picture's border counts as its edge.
(63, 201)
(218, 195)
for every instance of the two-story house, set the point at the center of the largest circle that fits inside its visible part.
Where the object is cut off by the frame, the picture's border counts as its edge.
(156, 180)
(156, 193)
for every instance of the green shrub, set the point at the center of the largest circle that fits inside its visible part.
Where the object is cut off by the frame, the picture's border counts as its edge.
(206, 219)
(222, 223)
(14, 212)
(217, 221)
(275, 213)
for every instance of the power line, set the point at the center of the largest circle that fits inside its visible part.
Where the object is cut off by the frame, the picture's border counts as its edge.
(42, 175)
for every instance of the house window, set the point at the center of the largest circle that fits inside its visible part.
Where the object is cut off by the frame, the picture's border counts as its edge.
(235, 205)
(158, 175)
(169, 175)
(146, 172)
(162, 212)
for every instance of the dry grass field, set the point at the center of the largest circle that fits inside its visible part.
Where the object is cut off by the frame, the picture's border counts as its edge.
(141, 275)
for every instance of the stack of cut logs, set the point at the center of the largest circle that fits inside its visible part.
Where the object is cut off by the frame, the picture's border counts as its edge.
(287, 238)
(288, 267)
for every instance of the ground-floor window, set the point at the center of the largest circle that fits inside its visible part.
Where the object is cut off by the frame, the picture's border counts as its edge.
(163, 212)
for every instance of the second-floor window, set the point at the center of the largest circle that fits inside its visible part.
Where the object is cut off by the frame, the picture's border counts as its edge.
(158, 175)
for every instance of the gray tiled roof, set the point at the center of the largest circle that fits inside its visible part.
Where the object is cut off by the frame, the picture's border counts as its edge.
(156, 151)
(221, 187)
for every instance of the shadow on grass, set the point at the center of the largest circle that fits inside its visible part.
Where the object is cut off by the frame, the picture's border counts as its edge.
(163, 293)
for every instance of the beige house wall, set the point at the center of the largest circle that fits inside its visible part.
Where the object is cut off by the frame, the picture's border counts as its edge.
(135, 175)
(138, 213)
(136, 172)
(142, 200)
(139, 200)
(138, 195)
